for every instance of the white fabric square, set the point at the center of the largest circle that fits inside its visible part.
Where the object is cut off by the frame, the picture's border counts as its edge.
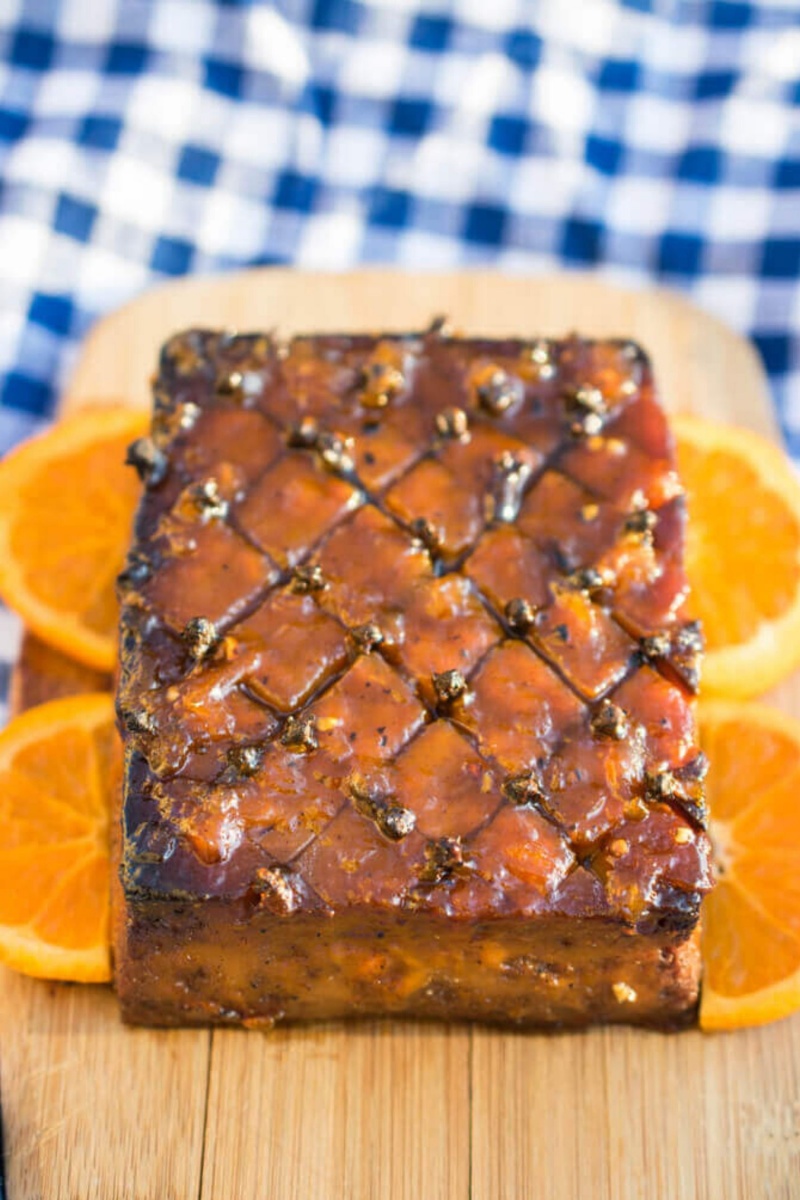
(330, 240)
(739, 214)
(754, 125)
(639, 205)
(136, 192)
(658, 125)
(180, 26)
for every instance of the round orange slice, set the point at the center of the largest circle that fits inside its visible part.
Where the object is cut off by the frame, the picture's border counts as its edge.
(59, 764)
(742, 554)
(751, 920)
(65, 521)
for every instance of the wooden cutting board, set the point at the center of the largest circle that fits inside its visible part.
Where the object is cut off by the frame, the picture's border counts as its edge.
(399, 1111)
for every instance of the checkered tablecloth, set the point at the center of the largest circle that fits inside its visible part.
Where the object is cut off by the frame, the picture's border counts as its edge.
(140, 139)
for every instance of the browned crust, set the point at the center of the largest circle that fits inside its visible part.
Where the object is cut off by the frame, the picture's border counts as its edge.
(609, 913)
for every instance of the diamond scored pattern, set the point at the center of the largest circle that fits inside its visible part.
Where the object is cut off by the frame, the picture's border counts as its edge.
(302, 798)
(518, 708)
(444, 627)
(384, 450)
(472, 461)
(292, 506)
(568, 524)
(181, 589)
(414, 506)
(585, 643)
(445, 783)
(504, 568)
(370, 566)
(368, 714)
(241, 437)
(283, 629)
(453, 511)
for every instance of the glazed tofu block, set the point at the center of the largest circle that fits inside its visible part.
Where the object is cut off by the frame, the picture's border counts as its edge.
(406, 688)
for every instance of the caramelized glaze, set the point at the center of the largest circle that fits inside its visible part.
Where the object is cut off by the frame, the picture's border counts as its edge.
(404, 646)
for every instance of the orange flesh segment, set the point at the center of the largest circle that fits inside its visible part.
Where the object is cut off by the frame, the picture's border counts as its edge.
(751, 921)
(743, 546)
(742, 554)
(57, 772)
(65, 529)
(736, 934)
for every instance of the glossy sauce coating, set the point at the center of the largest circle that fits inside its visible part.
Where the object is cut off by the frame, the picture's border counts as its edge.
(405, 622)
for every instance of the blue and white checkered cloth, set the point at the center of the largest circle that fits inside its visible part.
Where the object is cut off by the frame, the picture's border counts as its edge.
(139, 139)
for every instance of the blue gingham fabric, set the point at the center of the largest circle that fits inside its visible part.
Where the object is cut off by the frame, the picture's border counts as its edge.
(654, 140)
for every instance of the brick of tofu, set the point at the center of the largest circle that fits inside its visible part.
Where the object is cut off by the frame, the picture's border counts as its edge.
(407, 688)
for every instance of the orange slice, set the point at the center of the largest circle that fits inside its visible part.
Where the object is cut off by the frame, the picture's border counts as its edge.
(751, 920)
(742, 554)
(65, 520)
(59, 763)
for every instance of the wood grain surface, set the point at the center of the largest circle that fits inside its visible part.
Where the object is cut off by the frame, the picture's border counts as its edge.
(399, 1111)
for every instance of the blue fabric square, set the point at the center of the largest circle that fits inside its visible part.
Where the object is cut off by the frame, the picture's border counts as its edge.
(295, 191)
(775, 350)
(12, 125)
(604, 154)
(619, 75)
(197, 165)
(102, 133)
(410, 117)
(485, 224)
(21, 391)
(172, 256)
(430, 32)
(223, 77)
(507, 134)
(32, 49)
(389, 209)
(340, 15)
(700, 164)
(74, 218)
(714, 85)
(781, 258)
(269, 260)
(787, 173)
(580, 242)
(126, 58)
(52, 312)
(680, 254)
(320, 101)
(729, 14)
(524, 48)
